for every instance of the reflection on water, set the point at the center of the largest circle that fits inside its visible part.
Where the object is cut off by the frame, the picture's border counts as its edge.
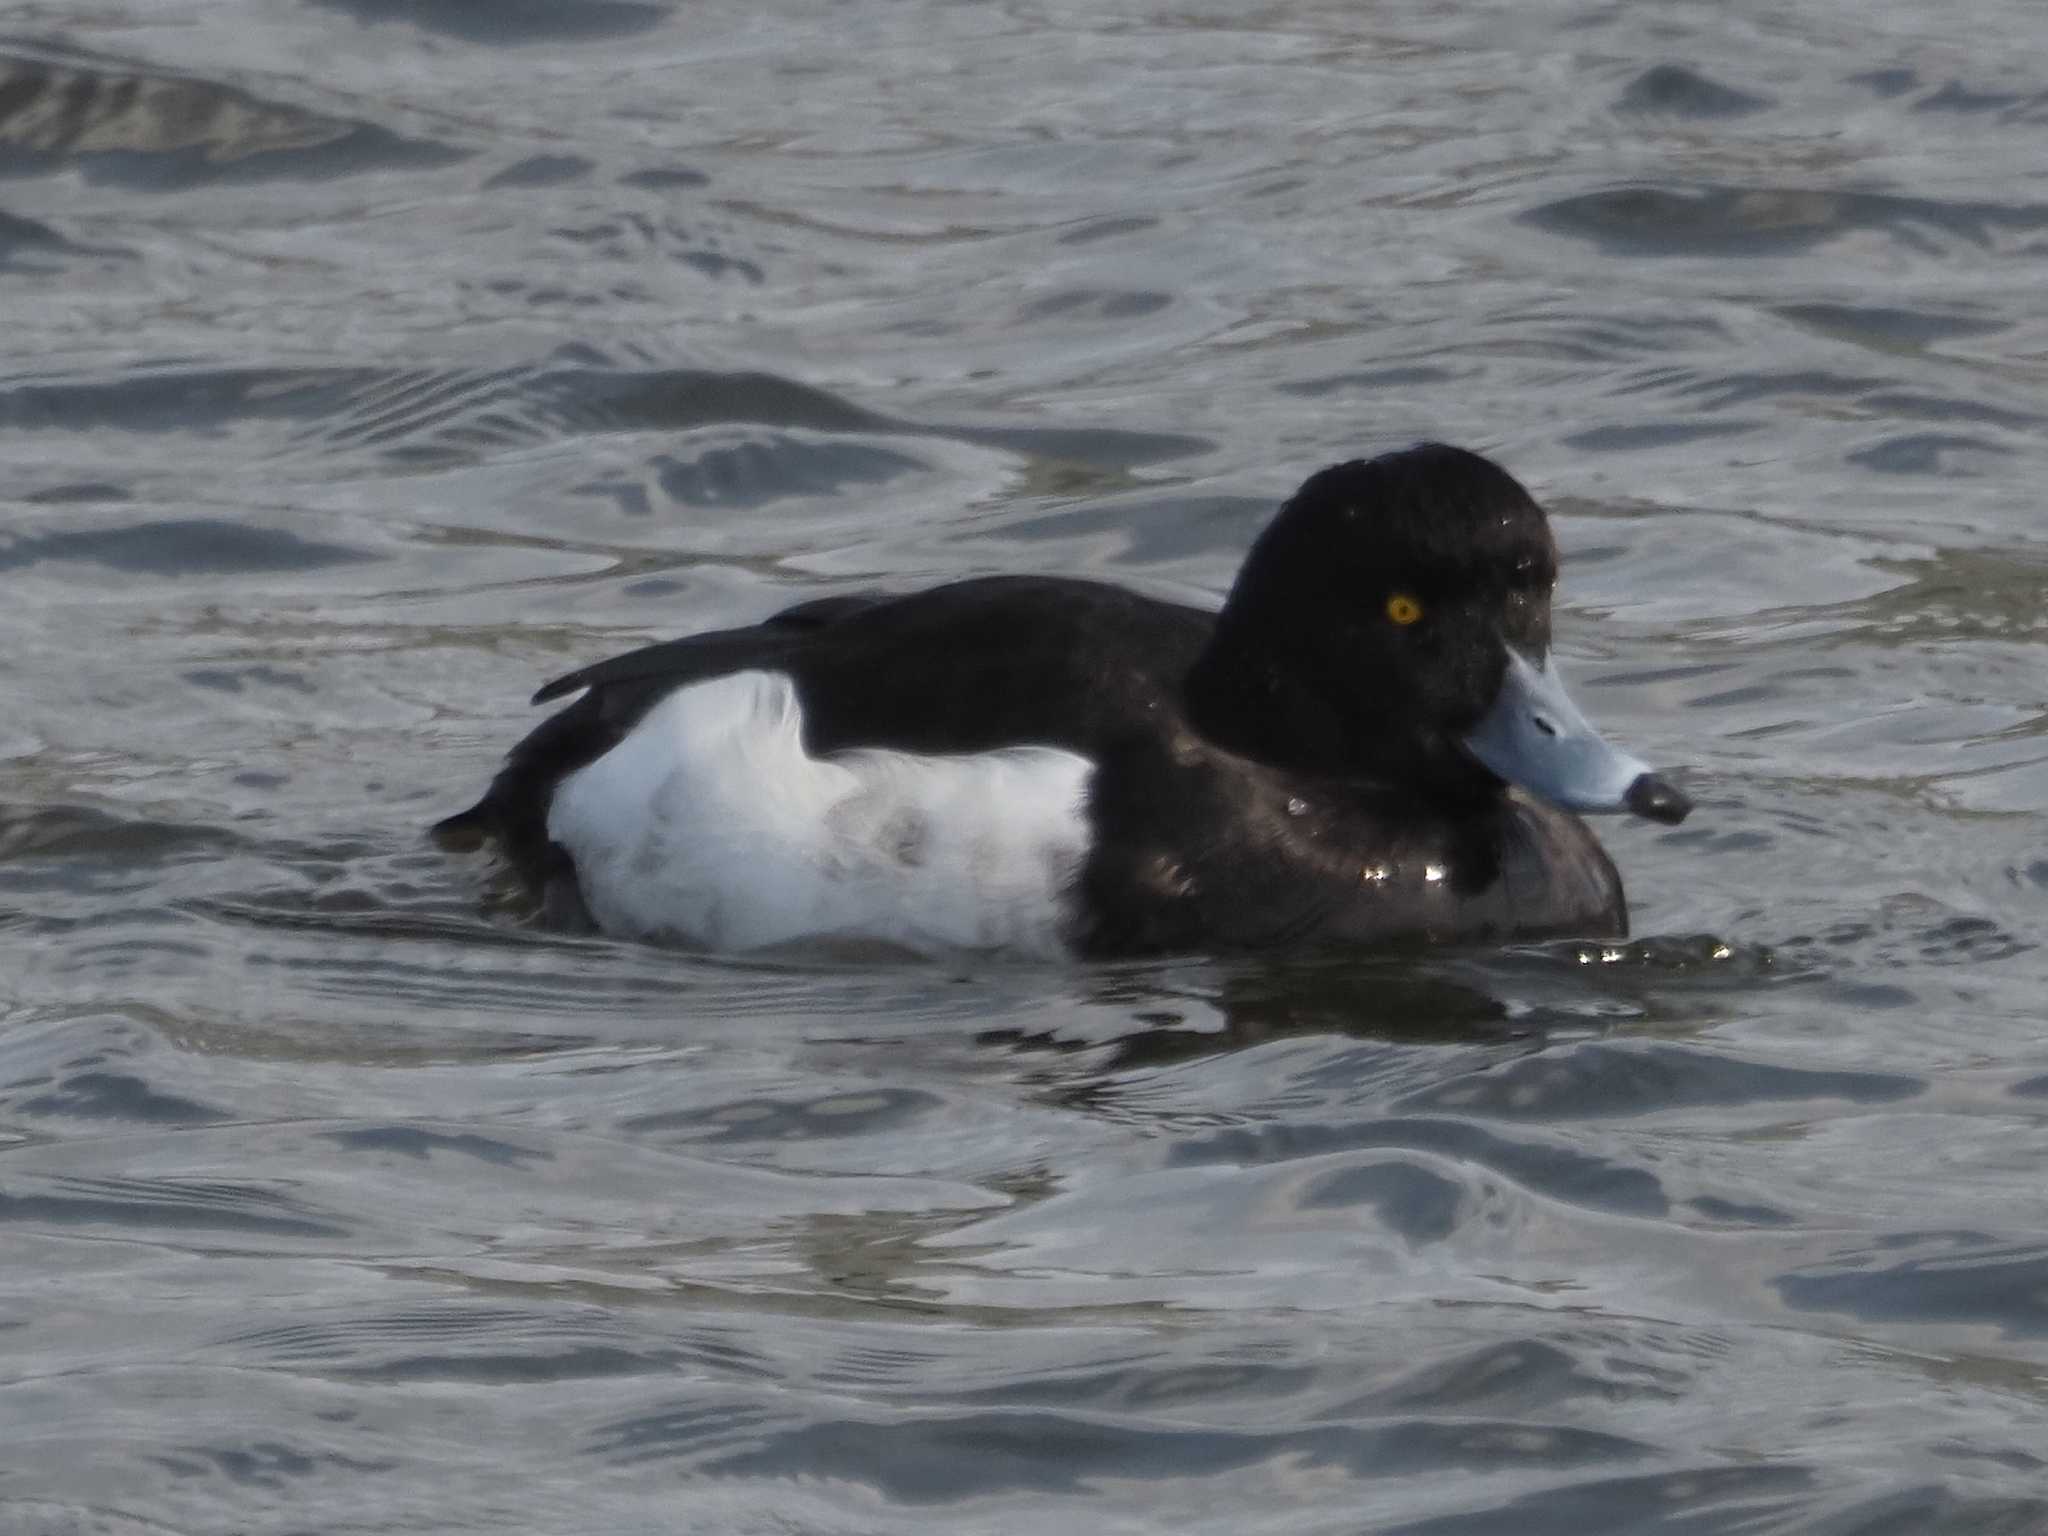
(375, 362)
(162, 132)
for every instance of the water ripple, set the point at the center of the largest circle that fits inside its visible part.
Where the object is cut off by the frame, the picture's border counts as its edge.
(373, 361)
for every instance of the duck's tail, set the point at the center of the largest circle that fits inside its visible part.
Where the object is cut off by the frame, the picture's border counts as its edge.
(466, 831)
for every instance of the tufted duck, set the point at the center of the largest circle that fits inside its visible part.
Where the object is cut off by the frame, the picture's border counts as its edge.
(1369, 743)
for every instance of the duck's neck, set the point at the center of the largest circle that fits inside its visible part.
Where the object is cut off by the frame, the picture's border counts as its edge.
(1251, 697)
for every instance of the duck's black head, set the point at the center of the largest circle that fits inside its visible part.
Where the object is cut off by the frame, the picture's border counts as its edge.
(1393, 623)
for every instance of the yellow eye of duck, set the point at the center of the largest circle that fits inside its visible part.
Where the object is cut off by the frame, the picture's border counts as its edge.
(1403, 609)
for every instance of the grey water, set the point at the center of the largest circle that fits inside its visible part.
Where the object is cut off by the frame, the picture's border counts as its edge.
(368, 363)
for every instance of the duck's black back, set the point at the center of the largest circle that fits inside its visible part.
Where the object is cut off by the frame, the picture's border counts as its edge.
(968, 667)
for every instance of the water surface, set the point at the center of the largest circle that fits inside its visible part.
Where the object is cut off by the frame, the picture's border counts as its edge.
(372, 362)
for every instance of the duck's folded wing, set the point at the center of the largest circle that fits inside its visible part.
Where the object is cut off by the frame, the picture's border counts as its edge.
(619, 691)
(715, 653)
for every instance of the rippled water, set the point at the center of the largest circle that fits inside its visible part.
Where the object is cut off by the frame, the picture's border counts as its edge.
(372, 361)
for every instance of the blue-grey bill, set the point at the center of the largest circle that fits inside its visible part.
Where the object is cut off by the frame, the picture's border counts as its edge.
(1535, 736)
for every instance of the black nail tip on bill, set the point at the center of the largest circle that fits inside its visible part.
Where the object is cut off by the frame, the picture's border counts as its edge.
(1654, 797)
